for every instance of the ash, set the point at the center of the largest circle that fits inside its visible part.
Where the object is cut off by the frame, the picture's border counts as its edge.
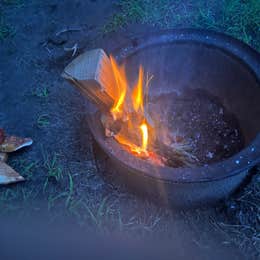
(200, 120)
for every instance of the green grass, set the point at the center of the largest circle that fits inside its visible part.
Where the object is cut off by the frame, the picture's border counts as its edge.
(137, 11)
(238, 18)
(26, 167)
(16, 3)
(41, 92)
(64, 197)
(17, 200)
(54, 171)
(5, 29)
(99, 214)
(43, 121)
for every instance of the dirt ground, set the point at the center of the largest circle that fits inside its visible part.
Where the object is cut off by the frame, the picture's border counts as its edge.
(62, 178)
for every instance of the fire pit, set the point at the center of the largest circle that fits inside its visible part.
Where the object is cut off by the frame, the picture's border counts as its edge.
(203, 103)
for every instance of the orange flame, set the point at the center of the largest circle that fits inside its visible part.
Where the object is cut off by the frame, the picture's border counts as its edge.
(120, 108)
(121, 87)
(137, 95)
(144, 130)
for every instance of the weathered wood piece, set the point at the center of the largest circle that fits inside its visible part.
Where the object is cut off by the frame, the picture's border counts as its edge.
(8, 175)
(92, 74)
(14, 143)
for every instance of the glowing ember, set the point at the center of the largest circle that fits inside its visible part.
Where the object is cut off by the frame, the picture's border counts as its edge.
(144, 130)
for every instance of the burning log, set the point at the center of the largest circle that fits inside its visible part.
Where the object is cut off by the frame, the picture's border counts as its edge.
(176, 155)
(98, 77)
(123, 109)
(92, 74)
(112, 127)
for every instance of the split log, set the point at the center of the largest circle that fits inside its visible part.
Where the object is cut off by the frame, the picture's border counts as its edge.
(8, 175)
(177, 154)
(91, 73)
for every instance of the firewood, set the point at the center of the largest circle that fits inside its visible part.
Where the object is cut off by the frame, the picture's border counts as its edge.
(111, 126)
(8, 175)
(92, 74)
(14, 143)
(176, 154)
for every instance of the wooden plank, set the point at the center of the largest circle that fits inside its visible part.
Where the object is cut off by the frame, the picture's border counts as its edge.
(92, 74)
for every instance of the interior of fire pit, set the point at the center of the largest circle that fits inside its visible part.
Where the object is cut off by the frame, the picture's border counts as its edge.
(211, 132)
(201, 95)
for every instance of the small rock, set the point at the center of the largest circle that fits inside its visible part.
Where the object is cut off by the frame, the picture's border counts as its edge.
(210, 155)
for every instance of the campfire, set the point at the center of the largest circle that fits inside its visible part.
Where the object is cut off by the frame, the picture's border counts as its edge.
(169, 120)
(124, 108)
(128, 108)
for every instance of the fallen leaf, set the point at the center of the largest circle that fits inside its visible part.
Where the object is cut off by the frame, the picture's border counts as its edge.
(14, 143)
(3, 157)
(8, 175)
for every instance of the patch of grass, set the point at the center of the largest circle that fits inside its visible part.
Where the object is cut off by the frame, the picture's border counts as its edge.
(118, 21)
(5, 29)
(52, 199)
(238, 18)
(16, 3)
(43, 121)
(26, 167)
(74, 208)
(69, 202)
(54, 172)
(41, 92)
(70, 191)
(97, 216)
(26, 193)
(17, 199)
(137, 11)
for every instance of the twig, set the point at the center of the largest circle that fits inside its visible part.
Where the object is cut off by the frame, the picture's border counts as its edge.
(65, 30)
(74, 49)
